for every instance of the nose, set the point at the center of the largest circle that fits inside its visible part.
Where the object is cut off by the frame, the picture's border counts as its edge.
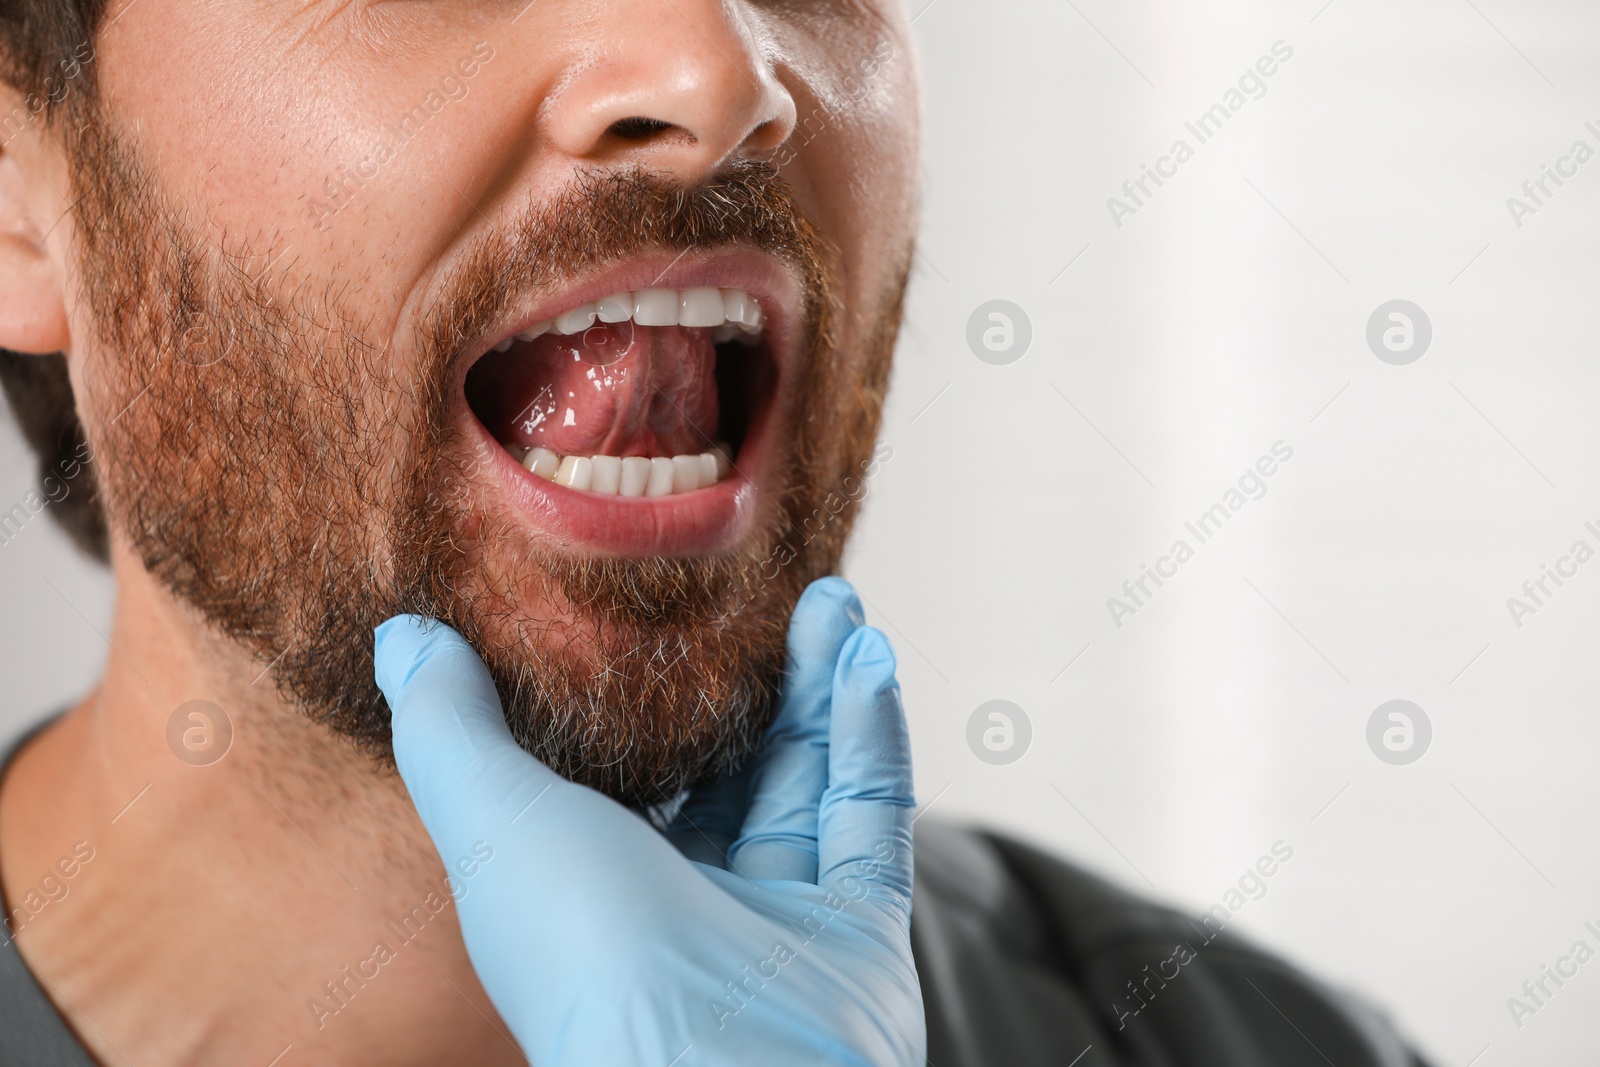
(678, 87)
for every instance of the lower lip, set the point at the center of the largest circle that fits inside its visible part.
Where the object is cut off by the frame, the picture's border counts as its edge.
(699, 523)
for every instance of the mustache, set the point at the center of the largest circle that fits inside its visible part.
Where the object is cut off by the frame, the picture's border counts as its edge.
(601, 217)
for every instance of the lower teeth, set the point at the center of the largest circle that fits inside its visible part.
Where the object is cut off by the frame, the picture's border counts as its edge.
(631, 475)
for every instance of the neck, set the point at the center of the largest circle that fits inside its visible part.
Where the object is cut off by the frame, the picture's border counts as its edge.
(284, 896)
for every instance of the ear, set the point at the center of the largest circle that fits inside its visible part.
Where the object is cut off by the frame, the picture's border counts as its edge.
(33, 313)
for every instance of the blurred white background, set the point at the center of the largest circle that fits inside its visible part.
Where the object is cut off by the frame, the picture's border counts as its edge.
(1229, 312)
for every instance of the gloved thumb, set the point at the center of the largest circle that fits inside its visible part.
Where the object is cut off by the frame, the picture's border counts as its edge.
(464, 771)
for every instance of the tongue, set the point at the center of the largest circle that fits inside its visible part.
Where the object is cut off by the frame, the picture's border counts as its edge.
(616, 390)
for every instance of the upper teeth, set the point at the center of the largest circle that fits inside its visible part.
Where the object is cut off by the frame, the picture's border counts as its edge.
(728, 313)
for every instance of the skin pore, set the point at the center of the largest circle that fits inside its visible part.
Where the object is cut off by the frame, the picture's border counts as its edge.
(220, 899)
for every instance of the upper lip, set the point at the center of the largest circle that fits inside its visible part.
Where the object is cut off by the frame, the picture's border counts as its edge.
(764, 276)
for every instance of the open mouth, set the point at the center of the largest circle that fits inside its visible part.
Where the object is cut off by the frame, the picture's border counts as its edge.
(641, 394)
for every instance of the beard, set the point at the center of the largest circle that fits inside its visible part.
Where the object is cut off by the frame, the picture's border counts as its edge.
(280, 465)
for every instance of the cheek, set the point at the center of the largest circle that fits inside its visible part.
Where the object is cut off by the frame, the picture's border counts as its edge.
(855, 165)
(265, 116)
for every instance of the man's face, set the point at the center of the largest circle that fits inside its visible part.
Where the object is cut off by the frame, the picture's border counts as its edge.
(350, 269)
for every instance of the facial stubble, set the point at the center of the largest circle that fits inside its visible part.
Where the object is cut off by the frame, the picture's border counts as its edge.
(275, 466)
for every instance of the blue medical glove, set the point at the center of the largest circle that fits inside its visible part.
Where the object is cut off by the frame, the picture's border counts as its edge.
(769, 926)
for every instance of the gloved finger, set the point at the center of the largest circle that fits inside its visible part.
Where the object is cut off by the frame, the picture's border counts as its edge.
(864, 822)
(779, 839)
(707, 824)
(466, 774)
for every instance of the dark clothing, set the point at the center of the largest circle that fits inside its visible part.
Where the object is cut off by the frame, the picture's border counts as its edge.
(1024, 960)
(31, 1033)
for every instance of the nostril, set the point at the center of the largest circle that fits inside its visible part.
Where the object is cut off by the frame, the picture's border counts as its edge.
(637, 128)
(768, 135)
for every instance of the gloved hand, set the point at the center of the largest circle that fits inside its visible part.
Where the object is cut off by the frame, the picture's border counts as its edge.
(784, 940)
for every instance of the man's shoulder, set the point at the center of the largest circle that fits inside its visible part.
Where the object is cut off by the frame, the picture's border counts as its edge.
(1026, 959)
